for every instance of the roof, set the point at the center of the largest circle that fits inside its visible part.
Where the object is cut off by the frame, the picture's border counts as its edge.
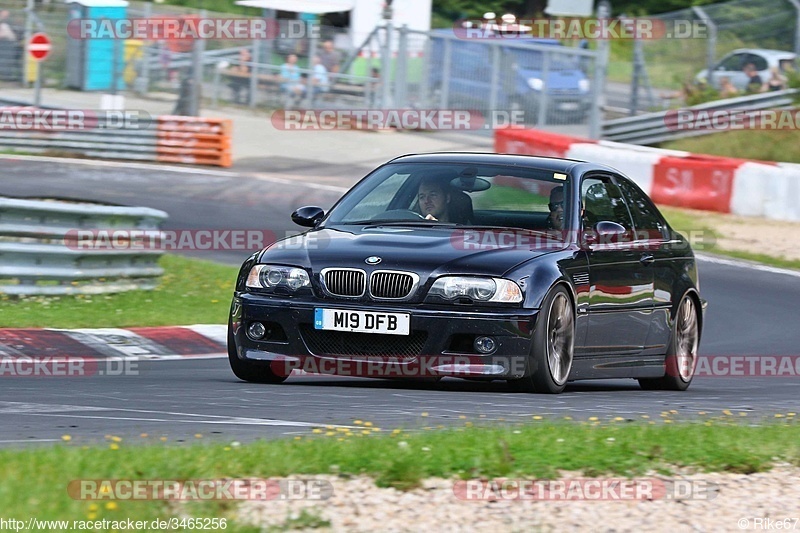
(780, 54)
(301, 6)
(99, 3)
(553, 164)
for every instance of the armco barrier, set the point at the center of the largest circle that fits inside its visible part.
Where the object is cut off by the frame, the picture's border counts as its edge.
(681, 179)
(36, 258)
(170, 139)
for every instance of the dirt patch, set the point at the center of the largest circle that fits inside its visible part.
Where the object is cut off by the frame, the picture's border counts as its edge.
(748, 234)
(357, 504)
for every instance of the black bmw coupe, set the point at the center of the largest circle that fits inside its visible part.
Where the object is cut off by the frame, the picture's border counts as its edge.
(538, 271)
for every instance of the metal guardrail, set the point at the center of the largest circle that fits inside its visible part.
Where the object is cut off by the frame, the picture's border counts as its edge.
(166, 139)
(658, 127)
(39, 254)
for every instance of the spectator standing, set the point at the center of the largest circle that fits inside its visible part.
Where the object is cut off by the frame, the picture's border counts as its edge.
(10, 49)
(776, 81)
(754, 83)
(375, 88)
(330, 57)
(6, 32)
(240, 78)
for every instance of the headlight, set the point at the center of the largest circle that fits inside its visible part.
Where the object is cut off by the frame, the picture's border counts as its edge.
(583, 85)
(477, 289)
(272, 276)
(536, 84)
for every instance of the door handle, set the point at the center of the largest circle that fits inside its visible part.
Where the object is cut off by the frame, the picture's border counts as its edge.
(647, 259)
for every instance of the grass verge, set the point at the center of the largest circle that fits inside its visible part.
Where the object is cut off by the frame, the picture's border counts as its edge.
(684, 221)
(766, 145)
(35, 480)
(191, 292)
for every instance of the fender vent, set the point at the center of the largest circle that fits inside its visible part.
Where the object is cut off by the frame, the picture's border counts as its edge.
(581, 278)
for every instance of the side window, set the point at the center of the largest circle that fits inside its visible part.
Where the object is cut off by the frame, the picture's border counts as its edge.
(602, 200)
(645, 216)
(733, 62)
(758, 61)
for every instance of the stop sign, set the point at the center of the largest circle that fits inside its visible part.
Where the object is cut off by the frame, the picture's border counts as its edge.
(39, 46)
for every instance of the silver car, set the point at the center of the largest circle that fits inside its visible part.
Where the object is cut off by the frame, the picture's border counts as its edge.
(732, 65)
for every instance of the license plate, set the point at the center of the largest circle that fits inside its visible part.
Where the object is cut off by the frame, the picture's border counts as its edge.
(568, 106)
(362, 321)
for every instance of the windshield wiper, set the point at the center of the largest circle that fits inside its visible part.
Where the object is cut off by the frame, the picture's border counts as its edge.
(421, 222)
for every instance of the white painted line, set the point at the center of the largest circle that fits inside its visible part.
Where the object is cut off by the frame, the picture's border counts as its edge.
(746, 264)
(171, 168)
(192, 418)
(18, 441)
(118, 164)
(267, 177)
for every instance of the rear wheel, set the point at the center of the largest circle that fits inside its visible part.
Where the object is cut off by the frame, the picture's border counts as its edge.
(254, 372)
(552, 349)
(681, 358)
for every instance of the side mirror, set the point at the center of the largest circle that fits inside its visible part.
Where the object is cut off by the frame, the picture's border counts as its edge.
(606, 228)
(603, 232)
(308, 216)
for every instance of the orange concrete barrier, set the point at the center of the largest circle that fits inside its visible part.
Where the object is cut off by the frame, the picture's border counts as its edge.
(194, 140)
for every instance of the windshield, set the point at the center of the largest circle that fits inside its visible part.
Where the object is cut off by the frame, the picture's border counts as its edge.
(534, 59)
(432, 194)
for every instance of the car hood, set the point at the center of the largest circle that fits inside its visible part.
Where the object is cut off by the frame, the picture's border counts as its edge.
(428, 251)
(564, 78)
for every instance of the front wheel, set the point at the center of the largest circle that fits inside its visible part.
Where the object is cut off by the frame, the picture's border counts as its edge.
(254, 372)
(553, 346)
(681, 358)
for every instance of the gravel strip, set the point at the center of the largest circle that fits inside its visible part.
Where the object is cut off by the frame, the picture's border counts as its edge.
(358, 505)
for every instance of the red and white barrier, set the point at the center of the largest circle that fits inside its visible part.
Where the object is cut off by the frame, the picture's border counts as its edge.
(671, 177)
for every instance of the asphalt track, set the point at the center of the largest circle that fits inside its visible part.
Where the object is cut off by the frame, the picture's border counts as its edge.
(752, 312)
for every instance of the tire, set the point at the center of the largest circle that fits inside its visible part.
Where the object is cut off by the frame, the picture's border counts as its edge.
(681, 358)
(254, 372)
(552, 348)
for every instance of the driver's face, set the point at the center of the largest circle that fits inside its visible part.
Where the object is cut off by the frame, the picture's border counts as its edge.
(557, 210)
(432, 200)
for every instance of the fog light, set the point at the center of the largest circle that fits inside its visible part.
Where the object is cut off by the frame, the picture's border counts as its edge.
(485, 344)
(256, 330)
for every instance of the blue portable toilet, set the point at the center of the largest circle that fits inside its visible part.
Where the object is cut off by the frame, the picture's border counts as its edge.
(91, 63)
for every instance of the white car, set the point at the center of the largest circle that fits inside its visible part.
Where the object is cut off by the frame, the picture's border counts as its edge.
(731, 66)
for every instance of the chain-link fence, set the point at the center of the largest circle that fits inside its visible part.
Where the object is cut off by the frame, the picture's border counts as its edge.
(513, 80)
(718, 41)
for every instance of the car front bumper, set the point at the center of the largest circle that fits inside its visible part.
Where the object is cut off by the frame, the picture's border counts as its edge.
(438, 344)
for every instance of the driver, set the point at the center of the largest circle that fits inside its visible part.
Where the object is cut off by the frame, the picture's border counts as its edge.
(556, 205)
(434, 200)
